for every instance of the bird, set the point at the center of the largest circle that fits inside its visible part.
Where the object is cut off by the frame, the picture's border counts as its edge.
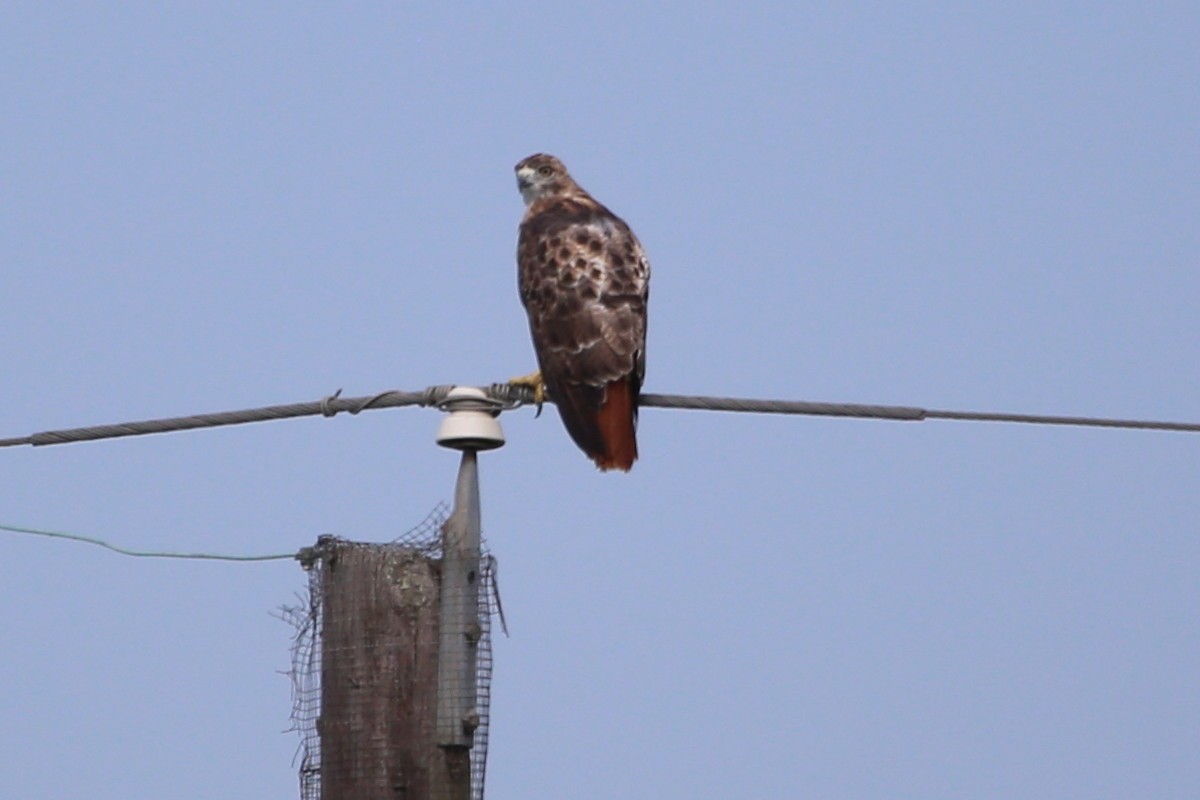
(584, 281)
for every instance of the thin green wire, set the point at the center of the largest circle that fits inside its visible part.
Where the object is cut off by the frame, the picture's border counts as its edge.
(142, 553)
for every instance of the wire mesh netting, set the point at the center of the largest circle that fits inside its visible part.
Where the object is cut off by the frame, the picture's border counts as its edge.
(365, 671)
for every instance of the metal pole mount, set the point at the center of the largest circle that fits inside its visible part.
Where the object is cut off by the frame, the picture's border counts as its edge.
(470, 425)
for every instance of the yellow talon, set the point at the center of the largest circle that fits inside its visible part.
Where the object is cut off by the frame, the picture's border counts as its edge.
(534, 381)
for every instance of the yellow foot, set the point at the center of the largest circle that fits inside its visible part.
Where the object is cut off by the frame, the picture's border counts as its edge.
(534, 381)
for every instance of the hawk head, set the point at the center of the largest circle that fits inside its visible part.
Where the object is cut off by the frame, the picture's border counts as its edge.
(542, 176)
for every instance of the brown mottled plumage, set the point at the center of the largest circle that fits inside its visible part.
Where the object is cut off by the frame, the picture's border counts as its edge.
(584, 281)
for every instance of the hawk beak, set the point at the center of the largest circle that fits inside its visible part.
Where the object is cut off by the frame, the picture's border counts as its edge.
(525, 179)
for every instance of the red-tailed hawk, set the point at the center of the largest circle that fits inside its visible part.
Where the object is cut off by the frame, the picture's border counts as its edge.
(584, 281)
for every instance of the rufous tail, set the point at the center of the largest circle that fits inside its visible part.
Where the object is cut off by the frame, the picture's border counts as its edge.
(617, 423)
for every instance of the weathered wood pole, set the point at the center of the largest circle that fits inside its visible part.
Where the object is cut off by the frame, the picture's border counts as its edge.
(379, 672)
(399, 644)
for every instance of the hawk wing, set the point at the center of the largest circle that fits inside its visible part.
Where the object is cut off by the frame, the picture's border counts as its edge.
(584, 280)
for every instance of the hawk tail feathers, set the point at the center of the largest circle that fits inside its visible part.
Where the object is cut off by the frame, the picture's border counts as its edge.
(601, 420)
(616, 421)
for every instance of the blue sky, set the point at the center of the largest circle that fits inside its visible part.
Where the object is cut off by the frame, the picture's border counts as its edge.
(986, 207)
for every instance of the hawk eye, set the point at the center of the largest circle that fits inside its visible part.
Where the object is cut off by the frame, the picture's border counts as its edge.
(545, 171)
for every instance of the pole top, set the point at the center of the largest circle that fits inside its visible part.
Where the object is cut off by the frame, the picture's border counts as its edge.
(470, 422)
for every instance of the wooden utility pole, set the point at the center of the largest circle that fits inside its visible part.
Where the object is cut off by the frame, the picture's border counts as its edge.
(379, 657)
(400, 632)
